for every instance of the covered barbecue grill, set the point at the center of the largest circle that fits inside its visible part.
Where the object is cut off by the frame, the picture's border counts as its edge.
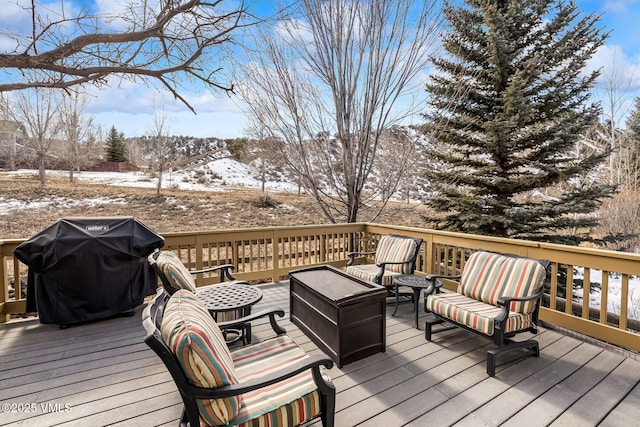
(83, 269)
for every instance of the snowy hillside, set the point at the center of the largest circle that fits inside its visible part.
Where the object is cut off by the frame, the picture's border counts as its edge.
(217, 175)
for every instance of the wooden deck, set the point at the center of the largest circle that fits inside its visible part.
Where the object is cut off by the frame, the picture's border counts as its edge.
(102, 373)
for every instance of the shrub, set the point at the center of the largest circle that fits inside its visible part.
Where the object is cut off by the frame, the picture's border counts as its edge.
(266, 201)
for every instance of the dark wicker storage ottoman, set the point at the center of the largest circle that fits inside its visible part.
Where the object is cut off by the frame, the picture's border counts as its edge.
(345, 316)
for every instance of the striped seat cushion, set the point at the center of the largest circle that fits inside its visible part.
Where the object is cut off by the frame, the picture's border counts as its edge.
(396, 249)
(287, 403)
(369, 272)
(489, 276)
(474, 314)
(176, 273)
(197, 342)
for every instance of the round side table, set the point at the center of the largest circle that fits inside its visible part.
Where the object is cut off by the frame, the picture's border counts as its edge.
(416, 283)
(238, 297)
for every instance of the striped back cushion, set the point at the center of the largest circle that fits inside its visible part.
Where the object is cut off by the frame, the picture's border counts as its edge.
(197, 342)
(178, 277)
(396, 249)
(488, 276)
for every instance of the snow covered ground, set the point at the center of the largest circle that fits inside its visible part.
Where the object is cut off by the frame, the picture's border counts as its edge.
(216, 175)
(9, 205)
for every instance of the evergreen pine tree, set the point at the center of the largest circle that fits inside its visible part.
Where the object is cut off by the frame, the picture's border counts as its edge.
(116, 150)
(509, 103)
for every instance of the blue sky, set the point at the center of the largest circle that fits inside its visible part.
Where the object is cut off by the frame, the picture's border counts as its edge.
(130, 107)
(622, 19)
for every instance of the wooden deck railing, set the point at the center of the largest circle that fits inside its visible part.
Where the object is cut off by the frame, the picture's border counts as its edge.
(267, 254)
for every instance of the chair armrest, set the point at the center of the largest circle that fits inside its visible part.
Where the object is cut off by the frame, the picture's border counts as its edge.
(352, 256)
(505, 303)
(383, 267)
(385, 263)
(313, 362)
(433, 278)
(234, 324)
(435, 284)
(225, 271)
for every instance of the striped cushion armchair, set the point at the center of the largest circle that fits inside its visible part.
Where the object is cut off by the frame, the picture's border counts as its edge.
(394, 255)
(498, 296)
(175, 276)
(272, 383)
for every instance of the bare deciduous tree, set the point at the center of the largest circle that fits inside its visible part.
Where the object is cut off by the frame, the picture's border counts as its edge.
(79, 131)
(264, 153)
(160, 146)
(616, 91)
(328, 83)
(620, 219)
(38, 110)
(160, 40)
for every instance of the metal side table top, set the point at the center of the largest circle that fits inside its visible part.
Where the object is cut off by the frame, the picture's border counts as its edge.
(238, 297)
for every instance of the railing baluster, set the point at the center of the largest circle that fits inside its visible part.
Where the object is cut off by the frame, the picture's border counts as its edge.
(586, 292)
(604, 297)
(568, 307)
(553, 284)
(624, 302)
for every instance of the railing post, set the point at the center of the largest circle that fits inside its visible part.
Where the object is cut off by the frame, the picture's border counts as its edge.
(4, 293)
(235, 250)
(323, 248)
(624, 302)
(199, 259)
(352, 242)
(276, 255)
(337, 239)
(429, 255)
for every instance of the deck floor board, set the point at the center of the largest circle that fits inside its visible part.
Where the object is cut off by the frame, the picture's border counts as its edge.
(105, 375)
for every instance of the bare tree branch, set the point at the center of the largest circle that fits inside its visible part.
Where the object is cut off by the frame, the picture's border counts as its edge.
(165, 41)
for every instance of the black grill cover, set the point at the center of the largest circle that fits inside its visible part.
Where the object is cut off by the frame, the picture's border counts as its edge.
(83, 269)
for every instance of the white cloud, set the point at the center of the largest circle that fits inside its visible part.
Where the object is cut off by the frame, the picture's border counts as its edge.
(293, 29)
(221, 124)
(616, 68)
(130, 107)
(110, 7)
(618, 84)
(15, 21)
(618, 6)
(11, 13)
(115, 15)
